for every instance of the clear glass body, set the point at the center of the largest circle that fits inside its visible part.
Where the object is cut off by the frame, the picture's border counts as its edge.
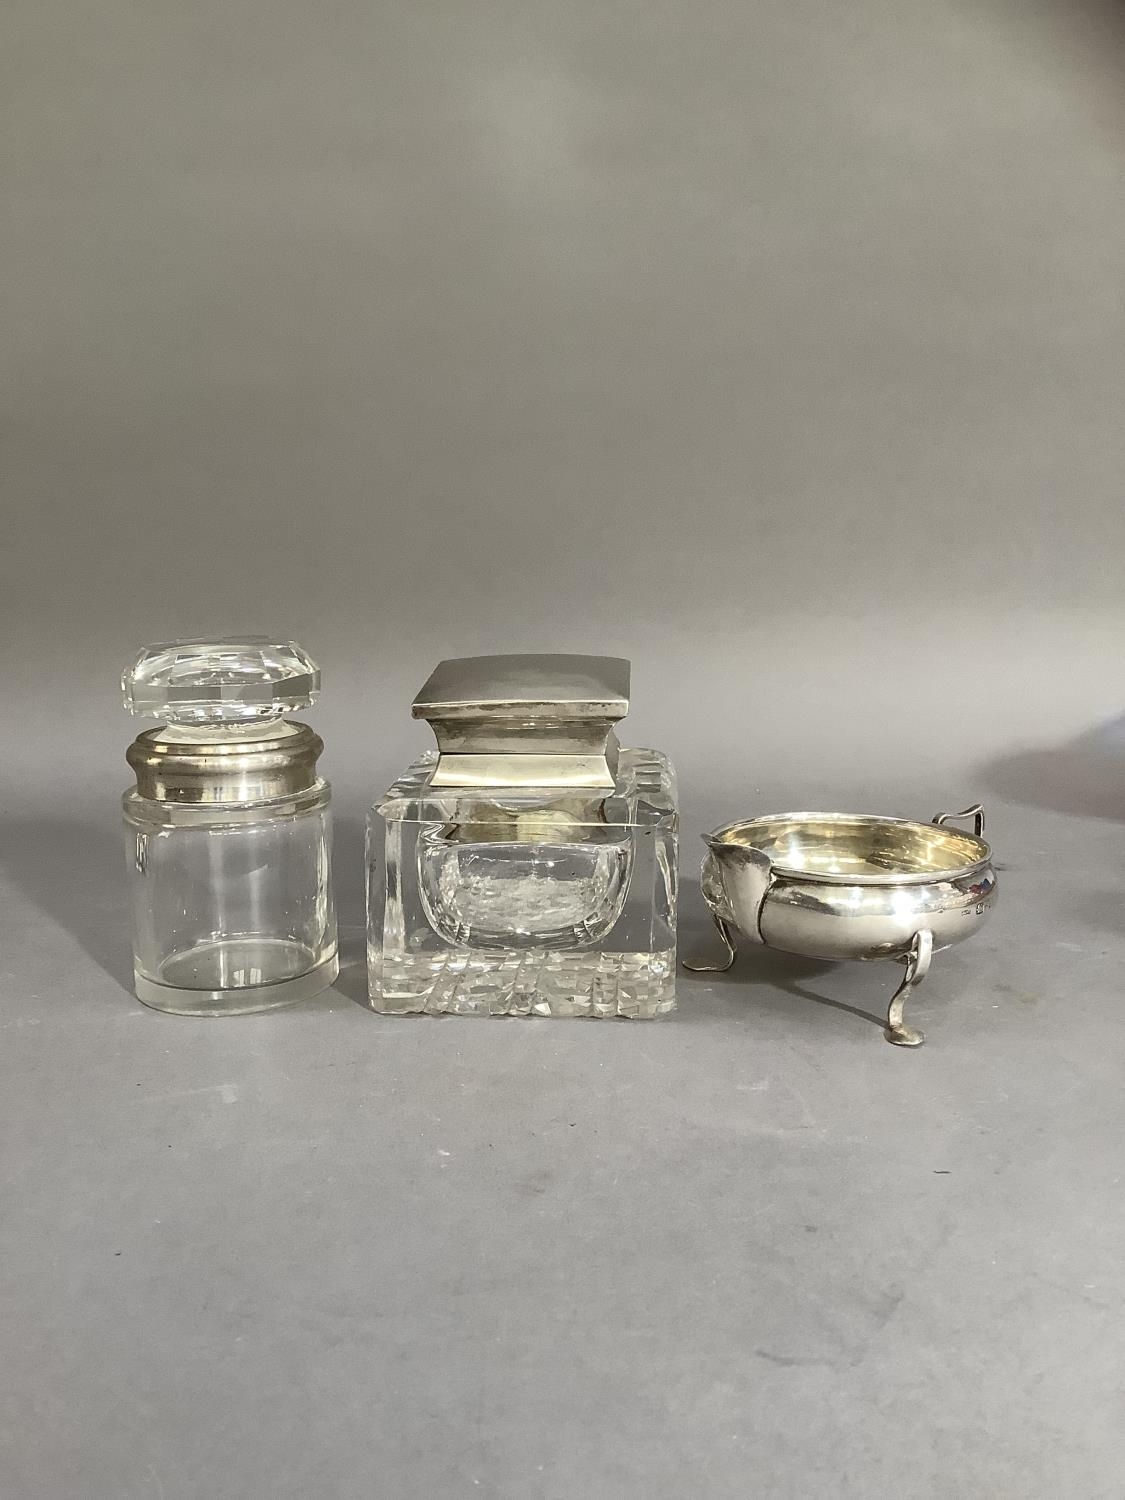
(524, 902)
(232, 905)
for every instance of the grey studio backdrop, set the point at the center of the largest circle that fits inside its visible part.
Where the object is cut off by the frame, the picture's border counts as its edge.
(779, 347)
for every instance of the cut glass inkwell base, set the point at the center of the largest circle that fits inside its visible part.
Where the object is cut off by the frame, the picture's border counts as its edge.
(228, 830)
(528, 866)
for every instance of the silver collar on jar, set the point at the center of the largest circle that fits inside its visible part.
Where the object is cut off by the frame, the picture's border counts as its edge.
(235, 764)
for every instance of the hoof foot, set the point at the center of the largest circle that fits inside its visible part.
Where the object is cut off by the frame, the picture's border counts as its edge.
(905, 1036)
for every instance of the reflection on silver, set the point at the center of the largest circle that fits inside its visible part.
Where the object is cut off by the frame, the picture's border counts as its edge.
(844, 886)
(540, 720)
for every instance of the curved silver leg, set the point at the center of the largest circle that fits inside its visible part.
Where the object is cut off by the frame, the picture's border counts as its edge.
(917, 967)
(726, 932)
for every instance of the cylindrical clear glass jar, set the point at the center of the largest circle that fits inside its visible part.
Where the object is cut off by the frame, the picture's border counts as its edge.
(228, 831)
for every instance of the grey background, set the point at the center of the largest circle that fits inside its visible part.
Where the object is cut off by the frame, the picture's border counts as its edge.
(778, 346)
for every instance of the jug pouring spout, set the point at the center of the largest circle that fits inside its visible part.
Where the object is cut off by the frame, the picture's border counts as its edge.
(740, 876)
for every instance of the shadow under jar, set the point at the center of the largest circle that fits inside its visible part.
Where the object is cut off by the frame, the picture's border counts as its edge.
(228, 830)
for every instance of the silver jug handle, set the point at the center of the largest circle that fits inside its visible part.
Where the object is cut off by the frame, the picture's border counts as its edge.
(976, 812)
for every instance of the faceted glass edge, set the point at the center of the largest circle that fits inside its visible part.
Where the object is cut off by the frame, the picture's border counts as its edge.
(220, 680)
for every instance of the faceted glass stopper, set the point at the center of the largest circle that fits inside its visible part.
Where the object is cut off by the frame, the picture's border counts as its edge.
(220, 681)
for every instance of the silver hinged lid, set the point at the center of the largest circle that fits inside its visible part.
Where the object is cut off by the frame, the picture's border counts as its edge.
(530, 720)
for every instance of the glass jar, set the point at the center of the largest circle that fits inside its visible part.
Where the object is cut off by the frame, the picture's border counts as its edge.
(528, 866)
(228, 830)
